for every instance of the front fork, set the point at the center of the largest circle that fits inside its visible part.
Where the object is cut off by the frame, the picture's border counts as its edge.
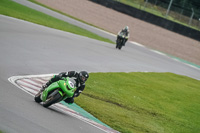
(49, 89)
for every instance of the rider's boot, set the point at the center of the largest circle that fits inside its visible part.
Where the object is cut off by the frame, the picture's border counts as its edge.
(43, 88)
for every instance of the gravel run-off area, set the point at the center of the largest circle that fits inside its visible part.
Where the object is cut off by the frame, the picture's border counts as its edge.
(147, 34)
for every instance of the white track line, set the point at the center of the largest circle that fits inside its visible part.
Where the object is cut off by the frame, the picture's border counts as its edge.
(26, 84)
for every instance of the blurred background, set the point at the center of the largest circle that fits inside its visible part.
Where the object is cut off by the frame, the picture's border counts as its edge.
(185, 12)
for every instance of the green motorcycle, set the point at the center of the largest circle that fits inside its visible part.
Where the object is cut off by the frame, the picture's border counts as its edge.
(56, 92)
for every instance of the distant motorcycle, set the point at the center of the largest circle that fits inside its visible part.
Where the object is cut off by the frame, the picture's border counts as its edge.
(56, 92)
(120, 40)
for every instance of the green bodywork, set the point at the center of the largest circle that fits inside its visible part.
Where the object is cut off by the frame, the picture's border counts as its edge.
(66, 88)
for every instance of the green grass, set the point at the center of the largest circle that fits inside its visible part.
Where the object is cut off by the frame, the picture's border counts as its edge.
(13, 9)
(143, 102)
(36, 2)
(129, 102)
(136, 5)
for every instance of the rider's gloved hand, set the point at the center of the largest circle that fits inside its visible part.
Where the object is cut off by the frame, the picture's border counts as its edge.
(44, 87)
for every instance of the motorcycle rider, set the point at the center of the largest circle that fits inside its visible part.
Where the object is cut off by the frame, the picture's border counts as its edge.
(80, 79)
(125, 30)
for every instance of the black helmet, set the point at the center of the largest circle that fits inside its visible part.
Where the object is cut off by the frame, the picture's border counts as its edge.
(83, 76)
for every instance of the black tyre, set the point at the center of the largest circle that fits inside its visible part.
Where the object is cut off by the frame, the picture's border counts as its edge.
(120, 46)
(117, 44)
(52, 98)
(37, 97)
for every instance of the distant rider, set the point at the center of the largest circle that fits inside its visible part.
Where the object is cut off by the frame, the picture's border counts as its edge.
(125, 30)
(80, 79)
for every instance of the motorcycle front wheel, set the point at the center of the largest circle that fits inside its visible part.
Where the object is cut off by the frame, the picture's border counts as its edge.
(120, 47)
(52, 98)
(37, 97)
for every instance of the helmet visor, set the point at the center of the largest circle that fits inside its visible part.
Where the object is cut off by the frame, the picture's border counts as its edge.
(83, 79)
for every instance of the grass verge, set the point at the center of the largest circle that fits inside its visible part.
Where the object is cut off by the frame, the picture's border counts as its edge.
(36, 2)
(13, 9)
(143, 102)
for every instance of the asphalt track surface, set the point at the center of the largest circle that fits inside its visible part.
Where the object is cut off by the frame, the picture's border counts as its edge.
(30, 49)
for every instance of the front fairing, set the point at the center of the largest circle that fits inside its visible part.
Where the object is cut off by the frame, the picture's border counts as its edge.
(69, 92)
(62, 84)
(122, 35)
(50, 88)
